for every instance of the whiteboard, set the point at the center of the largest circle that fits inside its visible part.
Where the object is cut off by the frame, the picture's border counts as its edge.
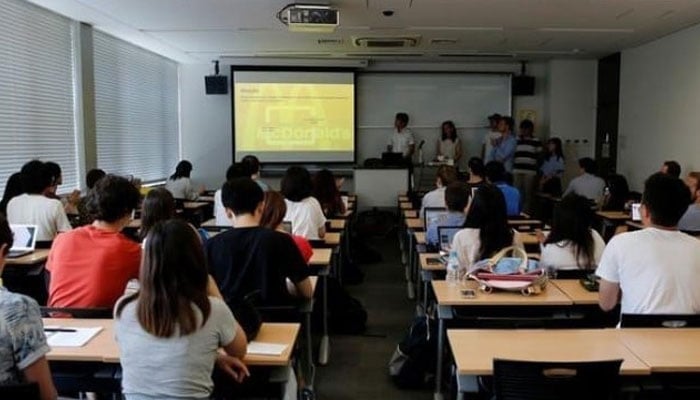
(429, 99)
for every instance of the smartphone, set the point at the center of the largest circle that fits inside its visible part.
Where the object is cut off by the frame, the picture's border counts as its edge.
(468, 293)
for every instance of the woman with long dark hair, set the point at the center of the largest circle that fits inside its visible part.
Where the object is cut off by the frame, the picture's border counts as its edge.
(169, 332)
(158, 205)
(449, 146)
(572, 243)
(13, 188)
(552, 168)
(326, 191)
(179, 183)
(485, 230)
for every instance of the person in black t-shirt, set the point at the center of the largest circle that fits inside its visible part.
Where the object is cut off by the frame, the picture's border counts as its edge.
(249, 257)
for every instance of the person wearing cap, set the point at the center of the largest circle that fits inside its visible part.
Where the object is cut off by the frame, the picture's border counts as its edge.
(492, 135)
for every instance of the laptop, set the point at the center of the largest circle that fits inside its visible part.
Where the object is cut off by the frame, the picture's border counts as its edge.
(287, 226)
(445, 236)
(434, 216)
(24, 240)
(636, 216)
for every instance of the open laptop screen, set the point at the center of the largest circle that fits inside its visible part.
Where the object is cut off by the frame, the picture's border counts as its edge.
(24, 237)
(445, 236)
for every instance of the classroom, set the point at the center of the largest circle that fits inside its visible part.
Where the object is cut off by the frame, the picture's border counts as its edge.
(349, 199)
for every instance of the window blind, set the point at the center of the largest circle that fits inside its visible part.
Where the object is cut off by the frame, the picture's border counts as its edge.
(37, 97)
(136, 109)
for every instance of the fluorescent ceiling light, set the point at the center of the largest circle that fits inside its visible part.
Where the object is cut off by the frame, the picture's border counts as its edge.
(587, 30)
(457, 28)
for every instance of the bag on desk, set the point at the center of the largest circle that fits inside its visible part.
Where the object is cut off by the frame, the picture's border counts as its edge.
(513, 274)
(412, 366)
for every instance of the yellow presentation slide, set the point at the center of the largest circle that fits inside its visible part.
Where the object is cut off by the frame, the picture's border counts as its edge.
(303, 117)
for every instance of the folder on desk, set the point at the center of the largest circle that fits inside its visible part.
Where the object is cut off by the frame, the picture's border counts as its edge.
(266, 349)
(79, 337)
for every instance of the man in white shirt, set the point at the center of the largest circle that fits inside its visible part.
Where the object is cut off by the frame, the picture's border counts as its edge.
(587, 184)
(233, 172)
(402, 140)
(34, 208)
(436, 198)
(655, 270)
(492, 135)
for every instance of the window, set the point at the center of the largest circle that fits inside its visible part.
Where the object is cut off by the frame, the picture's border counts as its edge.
(136, 109)
(37, 99)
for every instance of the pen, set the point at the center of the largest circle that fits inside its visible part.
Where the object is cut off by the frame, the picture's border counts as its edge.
(59, 330)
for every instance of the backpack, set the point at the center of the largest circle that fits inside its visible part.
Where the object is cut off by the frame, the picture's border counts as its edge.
(412, 366)
(346, 315)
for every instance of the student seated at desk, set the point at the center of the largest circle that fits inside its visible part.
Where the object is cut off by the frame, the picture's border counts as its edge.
(456, 198)
(477, 173)
(23, 346)
(552, 168)
(33, 207)
(179, 183)
(496, 174)
(91, 265)
(70, 202)
(572, 243)
(158, 206)
(91, 179)
(272, 216)
(303, 210)
(618, 194)
(655, 270)
(690, 222)
(435, 198)
(233, 172)
(169, 333)
(485, 231)
(587, 184)
(671, 168)
(251, 165)
(251, 258)
(327, 193)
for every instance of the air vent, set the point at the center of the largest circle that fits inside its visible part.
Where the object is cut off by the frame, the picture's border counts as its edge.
(386, 42)
(443, 42)
(330, 41)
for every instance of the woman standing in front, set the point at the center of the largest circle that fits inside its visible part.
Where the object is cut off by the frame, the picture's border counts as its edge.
(449, 147)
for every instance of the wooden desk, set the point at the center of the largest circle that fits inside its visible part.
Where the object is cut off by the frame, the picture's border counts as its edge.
(209, 222)
(207, 199)
(414, 223)
(194, 205)
(282, 333)
(321, 257)
(38, 256)
(332, 238)
(406, 205)
(664, 349)
(474, 350)
(528, 239)
(336, 224)
(524, 222)
(573, 290)
(420, 237)
(410, 213)
(134, 224)
(403, 199)
(425, 266)
(615, 216)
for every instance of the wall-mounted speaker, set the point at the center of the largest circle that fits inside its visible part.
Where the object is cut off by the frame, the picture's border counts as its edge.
(523, 85)
(216, 84)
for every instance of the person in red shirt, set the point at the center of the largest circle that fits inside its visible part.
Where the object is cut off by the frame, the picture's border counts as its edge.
(90, 266)
(274, 209)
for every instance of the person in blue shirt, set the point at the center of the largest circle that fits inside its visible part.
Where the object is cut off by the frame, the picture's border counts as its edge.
(456, 199)
(503, 149)
(497, 175)
(552, 168)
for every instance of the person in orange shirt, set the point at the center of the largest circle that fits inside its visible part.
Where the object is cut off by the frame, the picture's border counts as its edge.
(90, 266)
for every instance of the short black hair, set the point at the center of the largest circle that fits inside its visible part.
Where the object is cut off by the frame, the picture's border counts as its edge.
(296, 184)
(527, 124)
(403, 117)
(35, 177)
(508, 121)
(235, 171)
(476, 166)
(183, 169)
(666, 198)
(457, 196)
(241, 195)
(54, 170)
(6, 236)
(495, 172)
(589, 165)
(251, 164)
(673, 168)
(93, 176)
(112, 198)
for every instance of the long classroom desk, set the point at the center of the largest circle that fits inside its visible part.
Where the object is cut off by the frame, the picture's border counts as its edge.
(322, 258)
(475, 349)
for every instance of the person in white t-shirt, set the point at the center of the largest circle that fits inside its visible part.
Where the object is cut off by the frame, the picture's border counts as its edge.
(303, 210)
(435, 198)
(655, 270)
(234, 171)
(179, 183)
(491, 135)
(34, 208)
(572, 243)
(402, 140)
(486, 229)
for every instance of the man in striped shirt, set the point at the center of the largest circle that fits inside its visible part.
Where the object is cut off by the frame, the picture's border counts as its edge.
(528, 153)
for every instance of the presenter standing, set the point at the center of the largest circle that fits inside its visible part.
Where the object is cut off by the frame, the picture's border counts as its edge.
(448, 146)
(402, 140)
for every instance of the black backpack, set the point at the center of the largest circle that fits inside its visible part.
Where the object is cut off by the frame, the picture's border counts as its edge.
(346, 315)
(412, 366)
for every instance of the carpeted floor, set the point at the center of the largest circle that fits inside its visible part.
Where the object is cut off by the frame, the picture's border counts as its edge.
(357, 368)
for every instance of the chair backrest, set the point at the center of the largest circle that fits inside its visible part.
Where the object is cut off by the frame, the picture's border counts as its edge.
(532, 380)
(660, 320)
(24, 391)
(69, 312)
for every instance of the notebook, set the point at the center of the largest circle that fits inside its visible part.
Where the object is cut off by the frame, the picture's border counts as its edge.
(635, 212)
(24, 240)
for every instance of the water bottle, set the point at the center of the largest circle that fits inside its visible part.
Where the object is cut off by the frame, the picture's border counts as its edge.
(452, 276)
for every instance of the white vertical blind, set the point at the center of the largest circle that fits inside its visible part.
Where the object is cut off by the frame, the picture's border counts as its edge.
(37, 99)
(136, 109)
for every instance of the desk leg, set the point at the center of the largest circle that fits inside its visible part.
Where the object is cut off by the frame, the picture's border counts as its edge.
(425, 296)
(324, 348)
(438, 368)
(409, 267)
(310, 373)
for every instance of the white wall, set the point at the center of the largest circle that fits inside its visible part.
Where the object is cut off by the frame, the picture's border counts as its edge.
(205, 126)
(659, 98)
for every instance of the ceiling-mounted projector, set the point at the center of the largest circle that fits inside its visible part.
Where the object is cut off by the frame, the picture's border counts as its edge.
(311, 18)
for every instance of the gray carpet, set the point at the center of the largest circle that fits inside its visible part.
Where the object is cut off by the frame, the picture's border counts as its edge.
(357, 368)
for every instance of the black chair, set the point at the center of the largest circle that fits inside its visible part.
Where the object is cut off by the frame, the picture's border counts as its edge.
(68, 312)
(24, 391)
(531, 380)
(570, 273)
(660, 321)
(44, 244)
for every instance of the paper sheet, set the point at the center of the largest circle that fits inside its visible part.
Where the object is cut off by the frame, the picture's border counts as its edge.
(266, 349)
(79, 338)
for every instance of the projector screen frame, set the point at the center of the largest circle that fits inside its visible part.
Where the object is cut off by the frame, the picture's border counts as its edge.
(256, 68)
